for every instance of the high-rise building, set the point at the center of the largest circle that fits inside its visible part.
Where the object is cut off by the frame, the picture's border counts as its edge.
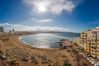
(90, 42)
(95, 44)
(13, 30)
(1, 29)
(83, 37)
(86, 41)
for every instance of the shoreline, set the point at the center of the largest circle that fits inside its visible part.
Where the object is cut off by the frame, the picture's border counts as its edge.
(24, 43)
(20, 39)
(55, 54)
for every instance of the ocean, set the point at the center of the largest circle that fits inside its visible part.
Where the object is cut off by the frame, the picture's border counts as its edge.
(47, 40)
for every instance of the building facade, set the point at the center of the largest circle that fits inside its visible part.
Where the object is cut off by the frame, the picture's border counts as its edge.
(95, 44)
(1, 29)
(90, 42)
(83, 37)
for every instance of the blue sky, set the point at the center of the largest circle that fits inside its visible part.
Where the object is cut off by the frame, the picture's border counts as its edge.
(59, 15)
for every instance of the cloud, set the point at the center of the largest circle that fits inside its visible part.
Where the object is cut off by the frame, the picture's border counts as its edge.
(19, 27)
(45, 28)
(8, 24)
(42, 20)
(51, 6)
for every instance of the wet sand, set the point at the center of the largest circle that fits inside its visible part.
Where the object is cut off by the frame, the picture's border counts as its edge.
(26, 55)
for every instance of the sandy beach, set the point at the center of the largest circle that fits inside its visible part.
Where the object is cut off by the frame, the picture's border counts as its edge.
(26, 55)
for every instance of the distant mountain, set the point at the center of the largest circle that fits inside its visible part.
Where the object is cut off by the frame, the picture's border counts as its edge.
(68, 34)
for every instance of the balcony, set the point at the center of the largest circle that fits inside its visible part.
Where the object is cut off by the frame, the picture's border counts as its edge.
(93, 46)
(97, 53)
(93, 50)
(97, 45)
(93, 53)
(98, 49)
(93, 42)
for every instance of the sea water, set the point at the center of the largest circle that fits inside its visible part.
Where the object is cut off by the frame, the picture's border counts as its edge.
(47, 40)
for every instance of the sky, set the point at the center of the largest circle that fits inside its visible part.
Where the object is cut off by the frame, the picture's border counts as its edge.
(49, 15)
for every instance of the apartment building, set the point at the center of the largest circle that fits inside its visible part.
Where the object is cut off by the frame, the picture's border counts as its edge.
(86, 41)
(90, 42)
(95, 44)
(83, 37)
